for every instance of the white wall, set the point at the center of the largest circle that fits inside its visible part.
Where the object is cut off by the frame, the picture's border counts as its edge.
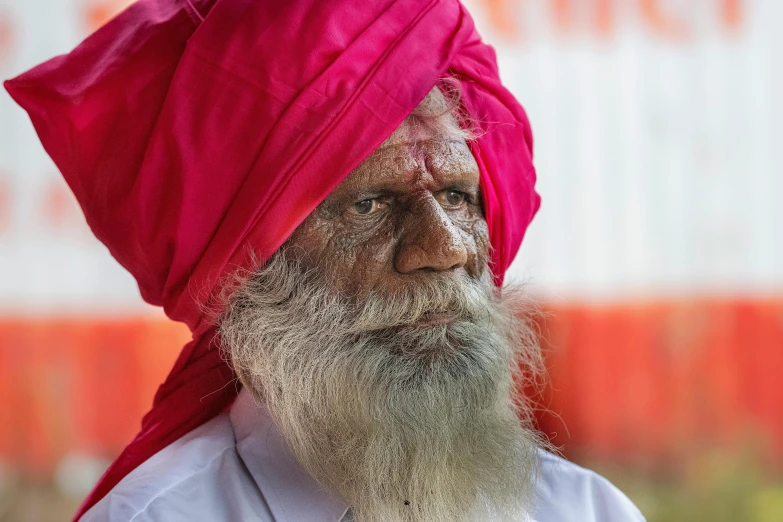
(660, 159)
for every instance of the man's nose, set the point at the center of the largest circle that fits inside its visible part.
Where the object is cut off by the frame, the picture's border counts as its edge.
(430, 241)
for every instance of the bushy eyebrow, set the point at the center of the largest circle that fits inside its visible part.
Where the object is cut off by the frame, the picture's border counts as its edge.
(467, 187)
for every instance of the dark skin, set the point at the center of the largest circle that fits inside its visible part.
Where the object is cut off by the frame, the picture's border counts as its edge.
(411, 210)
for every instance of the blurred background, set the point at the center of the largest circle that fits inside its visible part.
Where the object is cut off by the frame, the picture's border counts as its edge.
(657, 256)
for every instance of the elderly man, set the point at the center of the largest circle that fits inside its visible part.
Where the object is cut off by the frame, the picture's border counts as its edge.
(328, 193)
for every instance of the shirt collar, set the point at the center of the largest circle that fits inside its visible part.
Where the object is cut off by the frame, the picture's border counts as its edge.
(291, 493)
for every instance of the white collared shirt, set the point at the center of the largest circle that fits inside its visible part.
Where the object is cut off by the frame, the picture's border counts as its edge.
(237, 467)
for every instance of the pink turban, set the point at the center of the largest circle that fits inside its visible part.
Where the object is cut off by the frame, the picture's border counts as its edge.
(195, 131)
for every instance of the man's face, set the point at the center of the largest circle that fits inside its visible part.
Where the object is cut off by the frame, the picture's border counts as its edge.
(381, 347)
(411, 209)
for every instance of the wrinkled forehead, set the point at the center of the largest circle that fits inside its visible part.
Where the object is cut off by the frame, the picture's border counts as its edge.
(430, 139)
(434, 119)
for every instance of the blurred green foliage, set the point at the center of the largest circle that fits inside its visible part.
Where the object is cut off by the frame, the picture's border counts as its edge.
(715, 487)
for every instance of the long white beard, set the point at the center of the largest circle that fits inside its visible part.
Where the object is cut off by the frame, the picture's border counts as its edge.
(403, 422)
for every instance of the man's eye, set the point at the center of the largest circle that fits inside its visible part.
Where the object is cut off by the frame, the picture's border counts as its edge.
(367, 206)
(452, 198)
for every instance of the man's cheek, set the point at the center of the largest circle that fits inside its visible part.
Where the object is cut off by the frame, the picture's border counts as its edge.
(475, 235)
(475, 228)
(373, 236)
(351, 259)
(309, 243)
(373, 265)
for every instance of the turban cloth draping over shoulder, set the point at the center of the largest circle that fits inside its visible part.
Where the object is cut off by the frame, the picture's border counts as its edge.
(197, 134)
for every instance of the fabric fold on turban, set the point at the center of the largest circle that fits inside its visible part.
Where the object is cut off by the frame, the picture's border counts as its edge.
(198, 134)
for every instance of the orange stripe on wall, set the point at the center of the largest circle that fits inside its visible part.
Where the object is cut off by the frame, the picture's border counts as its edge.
(78, 385)
(646, 385)
(654, 384)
